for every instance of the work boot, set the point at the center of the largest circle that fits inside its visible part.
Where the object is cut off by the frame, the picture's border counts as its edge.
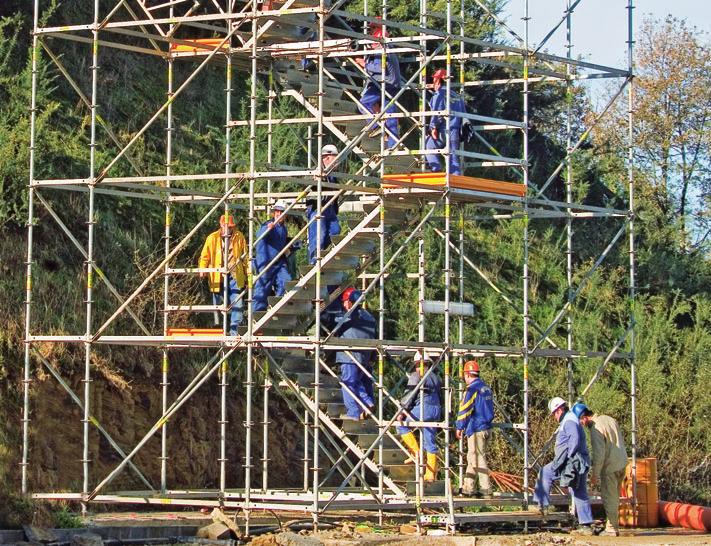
(410, 441)
(431, 470)
(584, 530)
(610, 531)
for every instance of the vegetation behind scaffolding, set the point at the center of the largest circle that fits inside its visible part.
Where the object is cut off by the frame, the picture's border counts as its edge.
(679, 319)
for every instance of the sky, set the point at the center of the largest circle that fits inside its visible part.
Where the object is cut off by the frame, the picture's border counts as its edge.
(600, 26)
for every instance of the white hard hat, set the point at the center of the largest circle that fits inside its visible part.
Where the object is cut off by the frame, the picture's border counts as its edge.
(554, 403)
(422, 356)
(280, 205)
(329, 149)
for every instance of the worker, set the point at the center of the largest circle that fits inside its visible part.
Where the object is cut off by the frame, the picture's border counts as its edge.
(422, 405)
(272, 238)
(609, 460)
(226, 240)
(437, 128)
(569, 467)
(371, 95)
(476, 413)
(359, 324)
(329, 213)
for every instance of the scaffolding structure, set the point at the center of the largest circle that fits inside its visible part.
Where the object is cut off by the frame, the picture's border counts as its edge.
(387, 214)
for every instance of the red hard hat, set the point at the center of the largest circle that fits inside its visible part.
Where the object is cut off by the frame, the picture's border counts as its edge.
(471, 366)
(346, 295)
(377, 30)
(440, 74)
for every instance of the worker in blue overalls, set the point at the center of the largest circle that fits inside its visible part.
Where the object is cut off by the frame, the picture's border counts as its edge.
(370, 98)
(436, 138)
(274, 279)
(359, 379)
(329, 214)
(330, 227)
(422, 408)
(570, 465)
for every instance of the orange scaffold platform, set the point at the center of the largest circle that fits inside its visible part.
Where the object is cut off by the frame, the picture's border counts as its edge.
(438, 181)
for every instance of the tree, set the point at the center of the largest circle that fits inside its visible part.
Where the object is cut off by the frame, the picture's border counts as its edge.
(672, 111)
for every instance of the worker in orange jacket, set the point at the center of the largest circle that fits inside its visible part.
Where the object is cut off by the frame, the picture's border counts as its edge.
(226, 245)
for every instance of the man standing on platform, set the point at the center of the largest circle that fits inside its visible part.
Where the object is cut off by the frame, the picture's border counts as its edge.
(371, 95)
(360, 324)
(436, 139)
(476, 413)
(570, 465)
(422, 404)
(274, 279)
(329, 214)
(226, 244)
(609, 460)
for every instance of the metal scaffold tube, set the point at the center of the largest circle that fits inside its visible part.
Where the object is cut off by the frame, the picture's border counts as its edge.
(90, 253)
(632, 249)
(525, 279)
(250, 285)
(28, 264)
(226, 299)
(169, 130)
(569, 200)
(319, 251)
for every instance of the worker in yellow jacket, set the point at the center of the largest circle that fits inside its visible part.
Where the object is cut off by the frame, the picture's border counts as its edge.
(226, 245)
(609, 460)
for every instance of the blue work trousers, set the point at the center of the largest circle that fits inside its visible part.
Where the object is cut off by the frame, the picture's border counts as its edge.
(545, 480)
(361, 384)
(272, 282)
(434, 161)
(370, 97)
(237, 305)
(329, 227)
(429, 435)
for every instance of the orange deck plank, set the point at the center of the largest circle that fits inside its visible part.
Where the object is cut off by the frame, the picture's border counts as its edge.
(201, 45)
(438, 181)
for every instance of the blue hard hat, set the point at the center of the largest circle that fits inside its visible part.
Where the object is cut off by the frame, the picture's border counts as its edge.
(579, 408)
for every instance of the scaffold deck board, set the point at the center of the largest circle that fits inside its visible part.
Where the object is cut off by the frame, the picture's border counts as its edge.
(499, 517)
(438, 181)
(194, 332)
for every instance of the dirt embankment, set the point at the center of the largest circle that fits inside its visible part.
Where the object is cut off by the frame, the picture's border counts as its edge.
(127, 406)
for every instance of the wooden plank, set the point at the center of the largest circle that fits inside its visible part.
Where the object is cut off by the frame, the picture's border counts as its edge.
(438, 181)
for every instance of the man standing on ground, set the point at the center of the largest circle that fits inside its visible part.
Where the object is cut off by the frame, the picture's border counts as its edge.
(609, 460)
(358, 378)
(226, 244)
(272, 279)
(570, 465)
(476, 413)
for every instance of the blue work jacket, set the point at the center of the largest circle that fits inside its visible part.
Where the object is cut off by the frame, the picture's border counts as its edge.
(570, 443)
(374, 68)
(327, 212)
(271, 245)
(432, 389)
(476, 410)
(439, 102)
(359, 325)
